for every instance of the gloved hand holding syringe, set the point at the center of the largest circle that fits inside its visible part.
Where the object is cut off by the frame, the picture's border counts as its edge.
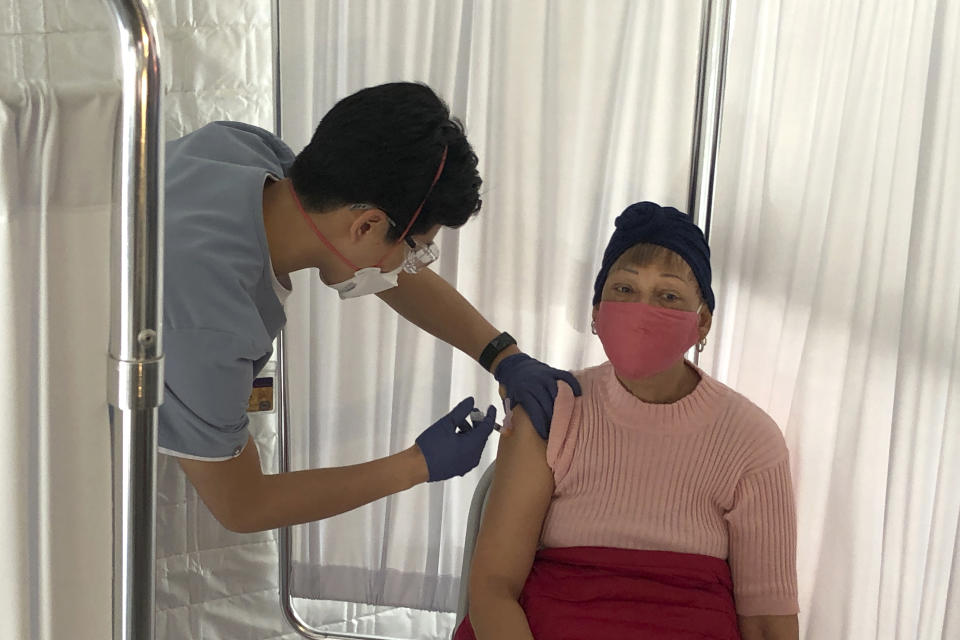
(452, 445)
(477, 416)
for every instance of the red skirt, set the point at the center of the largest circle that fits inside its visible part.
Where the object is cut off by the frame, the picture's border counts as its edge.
(587, 593)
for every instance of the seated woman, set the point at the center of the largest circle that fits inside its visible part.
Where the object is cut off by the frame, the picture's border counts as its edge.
(661, 504)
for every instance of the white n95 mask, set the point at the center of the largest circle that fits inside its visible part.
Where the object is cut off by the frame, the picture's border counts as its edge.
(367, 281)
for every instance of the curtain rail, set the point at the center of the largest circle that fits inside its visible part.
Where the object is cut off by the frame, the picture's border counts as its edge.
(135, 361)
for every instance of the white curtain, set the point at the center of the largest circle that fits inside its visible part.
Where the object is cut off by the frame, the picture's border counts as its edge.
(575, 110)
(56, 158)
(58, 111)
(836, 267)
(837, 275)
(835, 240)
(59, 103)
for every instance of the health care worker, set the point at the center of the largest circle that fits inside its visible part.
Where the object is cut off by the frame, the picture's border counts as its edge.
(386, 168)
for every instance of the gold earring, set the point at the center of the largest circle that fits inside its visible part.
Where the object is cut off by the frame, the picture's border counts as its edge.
(702, 344)
(593, 327)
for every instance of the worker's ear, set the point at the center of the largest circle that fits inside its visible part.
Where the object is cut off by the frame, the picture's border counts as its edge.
(369, 224)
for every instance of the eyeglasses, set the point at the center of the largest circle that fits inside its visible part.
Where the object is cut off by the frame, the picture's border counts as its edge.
(418, 254)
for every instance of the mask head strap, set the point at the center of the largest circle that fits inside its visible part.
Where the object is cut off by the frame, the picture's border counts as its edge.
(416, 214)
(436, 177)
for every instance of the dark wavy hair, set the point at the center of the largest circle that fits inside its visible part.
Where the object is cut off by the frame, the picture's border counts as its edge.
(382, 146)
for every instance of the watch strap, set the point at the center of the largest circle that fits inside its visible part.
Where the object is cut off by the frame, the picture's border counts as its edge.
(493, 349)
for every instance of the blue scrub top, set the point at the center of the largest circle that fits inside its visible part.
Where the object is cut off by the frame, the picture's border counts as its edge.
(221, 312)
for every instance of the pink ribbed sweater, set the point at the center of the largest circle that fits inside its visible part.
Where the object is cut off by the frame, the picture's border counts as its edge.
(708, 474)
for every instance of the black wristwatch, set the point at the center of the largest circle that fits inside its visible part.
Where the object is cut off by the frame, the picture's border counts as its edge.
(493, 349)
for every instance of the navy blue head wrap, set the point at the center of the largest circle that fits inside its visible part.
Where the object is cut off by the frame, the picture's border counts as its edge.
(647, 222)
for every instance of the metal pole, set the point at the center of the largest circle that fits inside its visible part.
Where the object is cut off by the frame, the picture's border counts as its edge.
(283, 399)
(714, 39)
(285, 534)
(283, 445)
(135, 362)
(708, 114)
(275, 42)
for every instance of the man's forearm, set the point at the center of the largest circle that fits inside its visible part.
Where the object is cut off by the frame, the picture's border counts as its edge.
(243, 499)
(315, 494)
(431, 303)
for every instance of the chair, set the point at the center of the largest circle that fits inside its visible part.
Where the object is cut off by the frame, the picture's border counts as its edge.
(477, 505)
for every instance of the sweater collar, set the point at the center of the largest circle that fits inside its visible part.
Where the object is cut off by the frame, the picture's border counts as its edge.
(694, 410)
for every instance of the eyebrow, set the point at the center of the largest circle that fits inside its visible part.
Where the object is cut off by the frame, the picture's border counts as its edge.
(666, 275)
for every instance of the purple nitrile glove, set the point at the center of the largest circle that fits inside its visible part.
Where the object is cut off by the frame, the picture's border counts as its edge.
(533, 385)
(451, 445)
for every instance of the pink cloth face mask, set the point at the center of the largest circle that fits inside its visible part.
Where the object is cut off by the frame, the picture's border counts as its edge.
(642, 340)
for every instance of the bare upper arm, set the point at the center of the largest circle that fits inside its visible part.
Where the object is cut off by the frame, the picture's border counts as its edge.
(769, 627)
(228, 487)
(519, 498)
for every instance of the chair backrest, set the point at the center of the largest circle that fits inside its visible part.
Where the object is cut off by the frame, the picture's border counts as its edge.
(477, 505)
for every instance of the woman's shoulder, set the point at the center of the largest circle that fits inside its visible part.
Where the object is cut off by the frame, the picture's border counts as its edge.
(567, 414)
(758, 435)
(590, 377)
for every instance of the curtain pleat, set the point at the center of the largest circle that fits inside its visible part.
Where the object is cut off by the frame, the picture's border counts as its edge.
(839, 288)
(55, 203)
